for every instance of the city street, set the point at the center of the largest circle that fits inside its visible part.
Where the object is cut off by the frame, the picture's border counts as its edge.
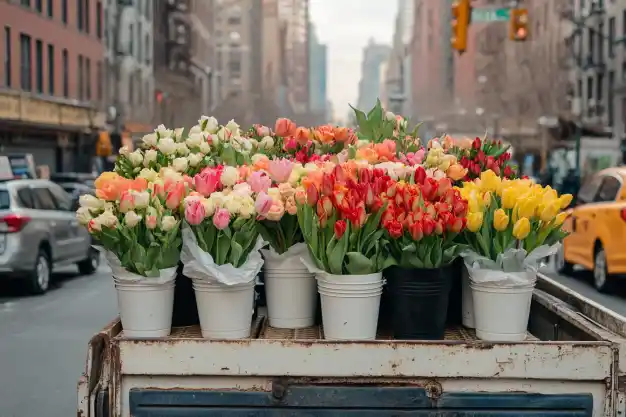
(43, 342)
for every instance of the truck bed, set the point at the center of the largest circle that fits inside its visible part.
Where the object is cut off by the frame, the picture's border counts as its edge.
(567, 359)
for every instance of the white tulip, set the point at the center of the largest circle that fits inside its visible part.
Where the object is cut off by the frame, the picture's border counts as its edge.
(194, 140)
(195, 129)
(211, 124)
(91, 202)
(149, 156)
(163, 132)
(167, 146)
(214, 139)
(194, 159)
(83, 215)
(132, 219)
(209, 206)
(205, 147)
(232, 126)
(150, 140)
(230, 176)
(224, 135)
(168, 223)
(148, 174)
(390, 116)
(180, 164)
(267, 142)
(136, 158)
(124, 151)
(182, 149)
(246, 210)
(107, 219)
(178, 134)
(141, 199)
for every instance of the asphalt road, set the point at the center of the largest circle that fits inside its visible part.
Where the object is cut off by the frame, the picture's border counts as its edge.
(43, 342)
(43, 339)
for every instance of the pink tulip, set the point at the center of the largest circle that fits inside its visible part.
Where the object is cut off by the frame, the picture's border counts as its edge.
(290, 144)
(127, 201)
(221, 218)
(262, 130)
(263, 204)
(259, 181)
(280, 169)
(207, 181)
(195, 212)
(175, 195)
(151, 222)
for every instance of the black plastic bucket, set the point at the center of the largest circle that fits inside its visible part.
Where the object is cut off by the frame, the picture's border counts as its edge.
(455, 308)
(419, 302)
(185, 311)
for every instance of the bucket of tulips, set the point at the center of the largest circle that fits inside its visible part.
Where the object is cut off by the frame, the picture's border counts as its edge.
(138, 227)
(511, 226)
(290, 289)
(422, 221)
(340, 219)
(220, 251)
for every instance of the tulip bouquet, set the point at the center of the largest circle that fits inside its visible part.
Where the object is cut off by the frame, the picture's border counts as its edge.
(512, 214)
(479, 155)
(341, 221)
(439, 159)
(422, 220)
(136, 222)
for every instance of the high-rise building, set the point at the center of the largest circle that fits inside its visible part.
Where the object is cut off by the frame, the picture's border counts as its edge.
(51, 78)
(374, 54)
(400, 60)
(317, 77)
(129, 81)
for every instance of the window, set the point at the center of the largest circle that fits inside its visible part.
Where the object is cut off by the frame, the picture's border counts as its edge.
(79, 15)
(25, 198)
(589, 190)
(611, 37)
(610, 105)
(81, 78)
(7, 56)
(624, 23)
(147, 47)
(88, 78)
(64, 11)
(591, 43)
(44, 199)
(99, 77)
(600, 42)
(87, 15)
(99, 20)
(51, 69)
(131, 41)
(5, 200)
(608, 190)
(66, 74)
(50, 7)
(39, 6)
(599, 89)
(39, 66)
(26, 62)
(62, 199)
(25, 3)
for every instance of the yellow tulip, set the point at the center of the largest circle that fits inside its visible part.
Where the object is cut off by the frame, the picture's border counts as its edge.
(560, 218)
(550, 211)
(526, 207)
(487, 199)
(489, 181)
(475, 204)
(565, 200)
(474, 221)
(521, 229)
(500, 220)
(509, 197)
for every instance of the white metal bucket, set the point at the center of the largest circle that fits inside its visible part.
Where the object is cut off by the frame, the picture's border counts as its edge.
(225, 311)
(501, 313)
(145, 308)
(291, 297)
(467, 300)
(350, 313)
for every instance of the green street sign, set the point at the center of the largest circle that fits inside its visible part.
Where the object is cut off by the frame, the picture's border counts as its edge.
(482, 15)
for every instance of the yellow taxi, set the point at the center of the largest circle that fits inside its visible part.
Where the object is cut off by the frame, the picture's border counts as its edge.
(597, 227)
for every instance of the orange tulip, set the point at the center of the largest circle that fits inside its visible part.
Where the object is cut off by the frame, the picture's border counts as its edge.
(324, 134)
(302, 135)
(284, 127)
(456, 172)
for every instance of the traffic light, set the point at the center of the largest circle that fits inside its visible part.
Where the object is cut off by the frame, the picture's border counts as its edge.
(518, 25)
(461, 15)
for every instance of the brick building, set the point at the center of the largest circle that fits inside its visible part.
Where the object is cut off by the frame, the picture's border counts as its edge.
(51, 80)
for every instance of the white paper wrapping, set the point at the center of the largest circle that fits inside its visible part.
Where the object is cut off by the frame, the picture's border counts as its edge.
(291, 260)
(513, 268)
(122, 274)
(198, 264)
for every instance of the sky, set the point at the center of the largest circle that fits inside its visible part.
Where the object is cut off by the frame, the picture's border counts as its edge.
(346, 27)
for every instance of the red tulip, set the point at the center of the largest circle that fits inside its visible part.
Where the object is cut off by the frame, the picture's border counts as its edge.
(416, 231)
(395, 229)
(340, 228)
(428, 225)
(420, 175)
(312, 195)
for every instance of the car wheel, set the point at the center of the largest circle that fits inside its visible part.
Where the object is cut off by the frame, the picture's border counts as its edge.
(561, 265)
(39, 280)
(90, 265)
(601, 278)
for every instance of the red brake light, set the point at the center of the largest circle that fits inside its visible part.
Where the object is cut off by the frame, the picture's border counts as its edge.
(622, 214)
(13, 223)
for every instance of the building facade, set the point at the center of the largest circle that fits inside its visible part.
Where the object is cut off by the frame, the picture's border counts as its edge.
(399, 63)
(129, 82)
(317, 77)
(51, 93)
(374, 54)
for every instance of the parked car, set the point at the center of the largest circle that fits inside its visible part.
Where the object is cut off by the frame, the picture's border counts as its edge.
(597, 227)
(76, 189)
(39, 232)
(74, 177)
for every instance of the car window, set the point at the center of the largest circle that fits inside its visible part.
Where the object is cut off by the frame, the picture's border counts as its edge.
(44, 199)
(25, 197)
(5, 200)
(588, 191)
(608, 190)
(62, 198)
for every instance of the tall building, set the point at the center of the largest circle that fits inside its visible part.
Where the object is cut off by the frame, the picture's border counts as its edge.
(273, 84)
(51, 97)
(374, 55)
(400, 60)
(317, 77)
(129, 81)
